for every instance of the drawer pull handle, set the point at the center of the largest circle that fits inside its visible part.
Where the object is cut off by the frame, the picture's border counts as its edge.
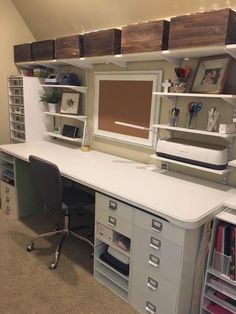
(7, 199)
(152, 284)
(7, 211)
(156, 225)
(111, 221)
(6, 189)
(155, 243)
(154, 261)
(112, 205)
(150, 308)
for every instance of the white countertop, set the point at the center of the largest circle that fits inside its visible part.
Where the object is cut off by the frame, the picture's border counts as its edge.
(185, 201)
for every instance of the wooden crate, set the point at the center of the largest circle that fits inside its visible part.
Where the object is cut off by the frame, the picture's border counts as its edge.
(23, 52)
(143, 37)
(100, 43)
(203, 29)
(43, 50)
(69, 47)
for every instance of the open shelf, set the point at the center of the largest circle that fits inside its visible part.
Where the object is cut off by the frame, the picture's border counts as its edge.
(81, 89)
(57, 135)
(202, 132)
(219, 172)
(113, 245)
(76, 117)
(229, 98)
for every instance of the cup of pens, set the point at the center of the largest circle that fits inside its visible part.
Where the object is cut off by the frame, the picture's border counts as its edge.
(192, 112)
(180, 84)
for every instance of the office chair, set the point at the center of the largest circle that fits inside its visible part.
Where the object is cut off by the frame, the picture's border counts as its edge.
(48, 182)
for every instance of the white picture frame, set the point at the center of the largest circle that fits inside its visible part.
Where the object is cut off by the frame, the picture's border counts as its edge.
(156, 78)
(70, 103)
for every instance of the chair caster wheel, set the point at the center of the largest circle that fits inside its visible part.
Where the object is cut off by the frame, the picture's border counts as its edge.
(52, 266)
(30, 247)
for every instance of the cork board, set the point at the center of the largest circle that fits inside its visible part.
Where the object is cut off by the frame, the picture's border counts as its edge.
(128, 101)
(125, 98)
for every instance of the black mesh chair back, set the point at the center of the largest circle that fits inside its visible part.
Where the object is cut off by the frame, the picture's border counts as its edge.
(48, 181)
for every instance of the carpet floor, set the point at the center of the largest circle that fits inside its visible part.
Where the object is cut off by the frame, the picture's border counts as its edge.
(27, 286)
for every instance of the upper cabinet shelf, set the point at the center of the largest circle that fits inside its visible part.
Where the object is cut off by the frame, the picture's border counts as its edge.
(70, 116)
(229, 98)
(80, 89)
(121, 60)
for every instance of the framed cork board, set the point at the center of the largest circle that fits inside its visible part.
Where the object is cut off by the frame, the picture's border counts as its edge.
(126, 97)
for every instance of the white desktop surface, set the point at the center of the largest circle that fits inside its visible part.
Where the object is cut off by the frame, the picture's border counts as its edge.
(185, 201)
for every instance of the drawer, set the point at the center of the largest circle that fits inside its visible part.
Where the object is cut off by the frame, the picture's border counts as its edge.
(158, 266)
(8, 191)
(114, 222)
(152, 294)
(159, 226)
(154, 244)
(112, 206)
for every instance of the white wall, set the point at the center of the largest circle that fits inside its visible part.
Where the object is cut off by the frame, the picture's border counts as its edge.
(13, 30)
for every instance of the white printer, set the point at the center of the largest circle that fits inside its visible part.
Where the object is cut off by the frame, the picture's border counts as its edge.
(197, 153)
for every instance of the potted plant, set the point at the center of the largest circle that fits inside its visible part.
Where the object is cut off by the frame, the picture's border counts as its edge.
(52, 99)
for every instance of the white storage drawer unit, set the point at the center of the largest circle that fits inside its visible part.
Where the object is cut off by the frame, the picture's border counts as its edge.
(8, 199)
(112, 206)
(152, 294)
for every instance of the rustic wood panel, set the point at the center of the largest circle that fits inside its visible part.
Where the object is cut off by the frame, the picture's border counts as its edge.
(143, 37)
(43, 50)
(203, 29)
(23, 53)
(69, 47)
(105, 42)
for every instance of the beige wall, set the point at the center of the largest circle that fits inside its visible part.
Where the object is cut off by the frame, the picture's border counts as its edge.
(13, 30)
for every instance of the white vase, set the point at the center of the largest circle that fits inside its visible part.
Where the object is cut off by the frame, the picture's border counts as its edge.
(52, 107)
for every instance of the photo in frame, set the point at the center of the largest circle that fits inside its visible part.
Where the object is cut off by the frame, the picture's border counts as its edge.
(211, 75)
(70, 103)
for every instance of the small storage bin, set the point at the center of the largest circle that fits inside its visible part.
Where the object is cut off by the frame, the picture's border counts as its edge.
(17, 118)
(43, 50)
(144, 37)
(15, 82)
(100, 43)
(17, 110)
(203, 29)
(16, 91)
(18, 126)
(69, 47)
(23, 53)
(221, 262)
(16, 100)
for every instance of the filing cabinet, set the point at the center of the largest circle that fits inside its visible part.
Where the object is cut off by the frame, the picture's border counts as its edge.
(8, 199)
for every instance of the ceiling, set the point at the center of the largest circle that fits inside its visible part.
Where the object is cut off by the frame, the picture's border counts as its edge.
(55, 18)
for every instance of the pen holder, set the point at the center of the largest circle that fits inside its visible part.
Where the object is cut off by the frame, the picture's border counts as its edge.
(191, 120)
(180, 86)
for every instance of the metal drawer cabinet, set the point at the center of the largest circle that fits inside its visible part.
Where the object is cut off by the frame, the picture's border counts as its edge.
(112, 206)
(159, 226)
(151, 294)
(153, 243)
(114, 222)
(8, 198)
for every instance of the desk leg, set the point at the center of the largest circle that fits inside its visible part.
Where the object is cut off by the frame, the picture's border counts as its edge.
(28, 200)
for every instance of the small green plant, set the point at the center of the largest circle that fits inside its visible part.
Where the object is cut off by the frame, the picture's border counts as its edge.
(53, 97)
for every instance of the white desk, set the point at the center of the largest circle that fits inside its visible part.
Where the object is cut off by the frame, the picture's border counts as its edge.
(151, 194)
(183, 200)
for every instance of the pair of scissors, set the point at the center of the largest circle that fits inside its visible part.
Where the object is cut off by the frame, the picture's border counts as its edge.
(193, 108)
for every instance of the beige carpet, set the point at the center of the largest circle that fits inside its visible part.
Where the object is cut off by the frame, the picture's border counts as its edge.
(27, 286)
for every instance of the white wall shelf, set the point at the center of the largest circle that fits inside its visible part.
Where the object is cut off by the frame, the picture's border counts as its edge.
(173, 56)
(218, 172)
(57, 135)
(81, 89)
(172, 96)
(70, 116)
(195, 131)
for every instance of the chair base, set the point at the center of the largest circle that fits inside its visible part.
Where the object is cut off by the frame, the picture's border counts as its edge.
(66, 232)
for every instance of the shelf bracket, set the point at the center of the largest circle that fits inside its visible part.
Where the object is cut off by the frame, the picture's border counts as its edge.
(79, 63)
(174, 61)
(121, 64)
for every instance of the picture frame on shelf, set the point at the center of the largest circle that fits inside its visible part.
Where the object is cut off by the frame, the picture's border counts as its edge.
(70, 103)
(211, 75)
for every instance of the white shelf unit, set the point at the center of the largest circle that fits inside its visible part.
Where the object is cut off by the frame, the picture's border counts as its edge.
(194, 131)
(231, 99)
(75, 117)
(217, 280)
(121, 60)
(66, 138)
(27, 121)
(81, 89)
(218, 172)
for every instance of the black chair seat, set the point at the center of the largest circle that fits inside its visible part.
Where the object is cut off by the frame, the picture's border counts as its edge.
(74, 198)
